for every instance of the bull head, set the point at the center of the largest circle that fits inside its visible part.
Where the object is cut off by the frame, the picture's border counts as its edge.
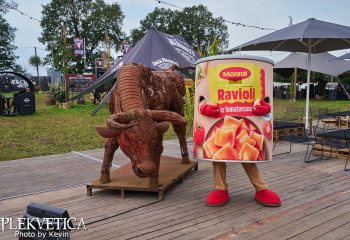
(140, 136)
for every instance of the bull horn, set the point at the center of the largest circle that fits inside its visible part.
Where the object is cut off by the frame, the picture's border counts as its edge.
(106, 132)
(162, 127)
(168, 116)
(121, 121)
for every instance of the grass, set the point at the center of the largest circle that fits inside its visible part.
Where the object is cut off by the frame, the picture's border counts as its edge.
(281, 104)
(52, 130)
(49, 131)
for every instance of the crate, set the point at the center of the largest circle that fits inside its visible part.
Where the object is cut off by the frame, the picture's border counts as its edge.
(336, 153)
(296, 131)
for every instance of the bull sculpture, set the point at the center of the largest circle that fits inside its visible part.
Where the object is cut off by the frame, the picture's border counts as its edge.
(142, 105)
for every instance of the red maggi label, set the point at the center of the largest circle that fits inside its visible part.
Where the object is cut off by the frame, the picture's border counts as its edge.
(235, 73)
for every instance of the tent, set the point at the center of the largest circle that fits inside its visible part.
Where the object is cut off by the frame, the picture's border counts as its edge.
(321, 62)
(156, 50)
(342, 57)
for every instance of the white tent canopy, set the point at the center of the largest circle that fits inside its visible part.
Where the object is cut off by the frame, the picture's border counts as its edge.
(319, 63)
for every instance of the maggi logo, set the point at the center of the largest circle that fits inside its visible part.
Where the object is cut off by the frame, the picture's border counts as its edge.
(235, 73)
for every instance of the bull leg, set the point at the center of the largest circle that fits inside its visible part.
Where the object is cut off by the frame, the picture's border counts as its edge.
(110, 147)
(180, 131)
(154, 179)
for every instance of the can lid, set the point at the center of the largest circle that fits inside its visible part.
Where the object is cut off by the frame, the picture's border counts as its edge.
(234, 56)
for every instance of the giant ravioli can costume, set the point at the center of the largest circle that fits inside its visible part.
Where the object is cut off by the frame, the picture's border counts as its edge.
(234, 84)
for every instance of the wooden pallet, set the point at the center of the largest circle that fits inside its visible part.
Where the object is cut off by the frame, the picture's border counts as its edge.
(296, 131)
(124, 179)
(344, 122)
(343, 153)
(330, 122)
(336, 153)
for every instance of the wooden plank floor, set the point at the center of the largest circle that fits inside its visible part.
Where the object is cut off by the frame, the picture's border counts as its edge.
(316, 200)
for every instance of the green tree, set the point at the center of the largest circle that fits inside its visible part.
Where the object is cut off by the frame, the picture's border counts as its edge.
(35, 61)
(88, 19)
(321, 80)
(200, 28)
(7, 36)
(214, 47)
(195, 24)
(164, 20)
(279, 78)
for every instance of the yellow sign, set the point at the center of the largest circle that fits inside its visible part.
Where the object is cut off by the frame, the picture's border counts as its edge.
(235, 82)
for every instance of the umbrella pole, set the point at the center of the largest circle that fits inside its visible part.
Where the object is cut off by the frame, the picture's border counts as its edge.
(295, 83)
(308, 90)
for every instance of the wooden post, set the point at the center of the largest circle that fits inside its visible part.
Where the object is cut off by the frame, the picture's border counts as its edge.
(196, 167)
(37, 68)
(89, 191)
(65, 63)
(160, 195)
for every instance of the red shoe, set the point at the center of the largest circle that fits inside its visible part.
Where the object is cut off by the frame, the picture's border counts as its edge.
(268, 198)
(217, 198)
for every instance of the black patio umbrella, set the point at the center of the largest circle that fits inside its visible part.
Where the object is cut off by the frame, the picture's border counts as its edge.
(310, 36)
(156, 50)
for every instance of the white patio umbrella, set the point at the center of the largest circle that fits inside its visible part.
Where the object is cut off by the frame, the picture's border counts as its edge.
(321, 63)
(342, 57)
(310, 36)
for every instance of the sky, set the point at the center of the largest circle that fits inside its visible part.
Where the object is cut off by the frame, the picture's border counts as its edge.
(262, 13)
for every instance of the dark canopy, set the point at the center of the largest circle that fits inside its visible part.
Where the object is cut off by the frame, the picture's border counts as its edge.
(156, 50)
(311, 36)
(315, 35)
(27, 80)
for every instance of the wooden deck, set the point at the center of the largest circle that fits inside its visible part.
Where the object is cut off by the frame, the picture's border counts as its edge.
(316, 200)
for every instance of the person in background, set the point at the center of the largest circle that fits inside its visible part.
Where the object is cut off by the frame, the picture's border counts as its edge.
(125, 47)
(96, 97)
